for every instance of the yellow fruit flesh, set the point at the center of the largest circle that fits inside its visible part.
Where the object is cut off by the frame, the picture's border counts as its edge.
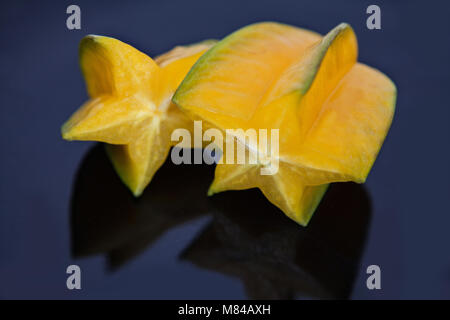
(234, 75)
(332, 113)
(285, 189)
(130, 106)
(347, 135)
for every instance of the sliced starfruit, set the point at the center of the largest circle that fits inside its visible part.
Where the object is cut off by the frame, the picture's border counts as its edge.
(332, 112)
(130, 104)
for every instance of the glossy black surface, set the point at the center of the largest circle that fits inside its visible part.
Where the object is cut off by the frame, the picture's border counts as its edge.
(61, 203)
(245, 236)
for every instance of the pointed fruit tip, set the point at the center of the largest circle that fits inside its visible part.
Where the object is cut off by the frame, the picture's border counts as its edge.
(94, 39)
(210, 192)
(65, 133)
(343, 25)
(137, 193)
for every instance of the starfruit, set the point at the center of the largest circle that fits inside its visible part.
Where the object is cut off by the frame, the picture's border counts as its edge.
(332, 112)
(130, 104)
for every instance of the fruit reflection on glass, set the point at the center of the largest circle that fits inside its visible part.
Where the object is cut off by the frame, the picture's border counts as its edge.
(272, 256)
(332, 112)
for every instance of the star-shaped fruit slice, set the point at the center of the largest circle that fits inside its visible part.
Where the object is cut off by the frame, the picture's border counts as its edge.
(332, 112)
(130, 104)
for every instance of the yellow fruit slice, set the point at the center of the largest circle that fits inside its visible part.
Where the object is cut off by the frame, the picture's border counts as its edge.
(231, 78)
(348, 133)
(130, 104)
(285, 189)
(331, 112)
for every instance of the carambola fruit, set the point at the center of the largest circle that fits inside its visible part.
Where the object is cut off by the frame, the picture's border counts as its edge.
(130, 104)
(332, 112)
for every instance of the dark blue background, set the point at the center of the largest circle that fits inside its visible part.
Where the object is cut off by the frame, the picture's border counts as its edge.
(41, 86)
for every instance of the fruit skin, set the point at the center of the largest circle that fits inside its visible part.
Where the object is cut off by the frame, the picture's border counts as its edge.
(130, 104)
(288, 35)
(332, 112)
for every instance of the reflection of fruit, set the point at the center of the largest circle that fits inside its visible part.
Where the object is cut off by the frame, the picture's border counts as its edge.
(273, 257)
(130, 106)
(332, 112)
(270, 255)
(107, 219)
